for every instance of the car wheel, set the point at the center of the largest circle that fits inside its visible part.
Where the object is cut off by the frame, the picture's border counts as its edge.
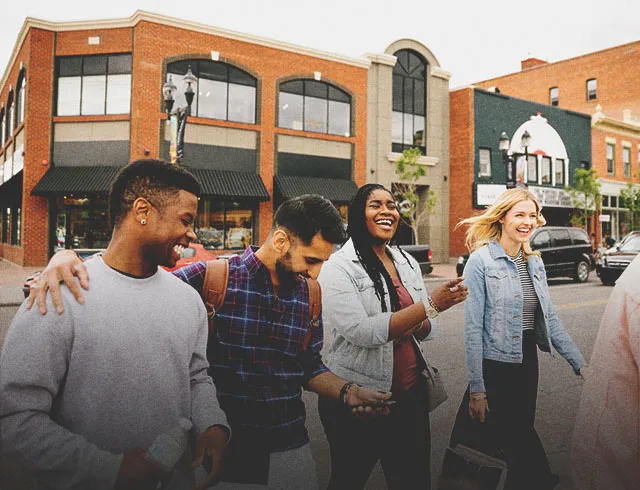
(607, 280)
(582, 272)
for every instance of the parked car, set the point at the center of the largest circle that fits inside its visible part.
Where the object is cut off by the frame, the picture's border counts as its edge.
(195, 252)
(565, 251)
(422, 254)
(613, 261)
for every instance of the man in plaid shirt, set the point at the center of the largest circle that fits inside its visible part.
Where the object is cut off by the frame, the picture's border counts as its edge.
(257, 360)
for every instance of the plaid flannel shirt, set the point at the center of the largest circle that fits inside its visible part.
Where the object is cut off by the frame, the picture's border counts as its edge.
(256, 356)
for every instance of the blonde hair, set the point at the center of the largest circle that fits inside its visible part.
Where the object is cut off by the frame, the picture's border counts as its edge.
(486, 227)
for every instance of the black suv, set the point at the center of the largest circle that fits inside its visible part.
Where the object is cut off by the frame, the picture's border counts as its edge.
(615, 260)
(565, 251)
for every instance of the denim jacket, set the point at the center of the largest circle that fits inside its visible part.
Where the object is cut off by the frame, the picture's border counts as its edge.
(495, 290)
(359, 349)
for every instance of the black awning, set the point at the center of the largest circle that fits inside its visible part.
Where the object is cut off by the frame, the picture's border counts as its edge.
(337, 191)
(229, 184)
(60, 180)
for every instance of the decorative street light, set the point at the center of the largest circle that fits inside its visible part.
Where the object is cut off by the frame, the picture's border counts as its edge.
(507, 158)
(178, 117)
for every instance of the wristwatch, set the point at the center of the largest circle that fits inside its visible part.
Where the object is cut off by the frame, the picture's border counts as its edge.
(431, 308)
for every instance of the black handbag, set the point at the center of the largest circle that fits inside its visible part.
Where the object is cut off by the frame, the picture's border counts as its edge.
(465, 468)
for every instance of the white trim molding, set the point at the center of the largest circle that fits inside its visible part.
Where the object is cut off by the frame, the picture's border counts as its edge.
(610, 140)
(381, 59)
(438, 72)
(423, 160)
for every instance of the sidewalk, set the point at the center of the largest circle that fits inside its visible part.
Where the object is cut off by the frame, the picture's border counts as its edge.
(441, 272)
(11, 278)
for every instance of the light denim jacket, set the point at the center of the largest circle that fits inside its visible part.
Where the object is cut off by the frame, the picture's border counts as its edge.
(495, 291)
(359, 349)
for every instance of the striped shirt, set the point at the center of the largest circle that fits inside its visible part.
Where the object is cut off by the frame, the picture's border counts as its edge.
(256, 357)
(529, 296)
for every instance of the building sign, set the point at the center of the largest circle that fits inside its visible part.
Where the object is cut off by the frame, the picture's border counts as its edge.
(551, 197)
(486, 194)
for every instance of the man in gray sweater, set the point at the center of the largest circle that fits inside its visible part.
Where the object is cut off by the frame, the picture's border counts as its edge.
(84, 394)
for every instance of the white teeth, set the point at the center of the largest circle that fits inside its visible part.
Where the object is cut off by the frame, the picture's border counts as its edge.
(387, 222)
(178, 249)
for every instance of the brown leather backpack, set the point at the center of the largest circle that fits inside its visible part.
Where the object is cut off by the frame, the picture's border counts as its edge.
(214, 289)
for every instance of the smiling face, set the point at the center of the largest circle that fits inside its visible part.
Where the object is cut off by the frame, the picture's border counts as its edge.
(518, 225)
(303, 260)
(381, 215)
(170, 229)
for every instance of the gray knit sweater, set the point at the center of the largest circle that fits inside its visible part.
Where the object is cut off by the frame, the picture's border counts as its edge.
(78, 390)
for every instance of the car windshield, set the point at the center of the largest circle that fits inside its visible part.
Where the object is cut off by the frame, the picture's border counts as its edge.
(630, 245)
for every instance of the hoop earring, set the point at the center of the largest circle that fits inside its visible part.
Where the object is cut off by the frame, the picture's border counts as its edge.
(143, 221)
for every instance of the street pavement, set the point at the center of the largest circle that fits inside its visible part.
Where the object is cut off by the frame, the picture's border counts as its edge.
(580, 307)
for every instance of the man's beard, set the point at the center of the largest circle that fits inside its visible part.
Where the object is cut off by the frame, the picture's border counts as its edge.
(288, 278)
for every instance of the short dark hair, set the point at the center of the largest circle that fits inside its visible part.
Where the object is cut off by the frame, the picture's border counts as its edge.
(155, 180)
(307, 215)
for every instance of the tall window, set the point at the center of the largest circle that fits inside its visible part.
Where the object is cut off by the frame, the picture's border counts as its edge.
(409, 102)
(559, 171)
(626, 161)
(610, 158)
(592, 86)
(485, 162)
(314, 106)
(20, 98)
(224, 224)
(94, 85)
(222, 91)
(553, 95)
(532, 168)
(546, 170)
(2, 129)
(8, 118)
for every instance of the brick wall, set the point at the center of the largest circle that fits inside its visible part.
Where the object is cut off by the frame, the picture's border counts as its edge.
(461, 166)
(599, 154)
(616, 70)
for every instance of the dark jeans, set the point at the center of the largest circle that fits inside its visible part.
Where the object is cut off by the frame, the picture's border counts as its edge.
(400, 440)
(512, 391)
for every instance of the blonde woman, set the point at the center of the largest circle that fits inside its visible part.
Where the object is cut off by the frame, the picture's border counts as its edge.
(507, 317)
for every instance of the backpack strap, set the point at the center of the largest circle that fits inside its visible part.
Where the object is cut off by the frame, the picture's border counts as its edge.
(315, 308)
(214, 288)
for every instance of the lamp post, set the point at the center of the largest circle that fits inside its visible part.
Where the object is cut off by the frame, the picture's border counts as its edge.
(178, 117)
(507, 158)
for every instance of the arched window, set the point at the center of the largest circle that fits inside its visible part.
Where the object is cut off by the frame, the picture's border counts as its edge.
(20, 98)
(409, 102)
(9, 118)
(222, 91)
(314, 106)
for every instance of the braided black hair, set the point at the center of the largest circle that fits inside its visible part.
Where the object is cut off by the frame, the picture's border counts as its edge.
(363, 244)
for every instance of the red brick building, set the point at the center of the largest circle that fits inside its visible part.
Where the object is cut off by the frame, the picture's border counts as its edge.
(79, 100)
(603, 84)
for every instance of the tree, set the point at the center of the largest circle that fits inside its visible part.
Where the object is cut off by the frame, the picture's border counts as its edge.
(409, 171)
(585, 196)
(630, 199)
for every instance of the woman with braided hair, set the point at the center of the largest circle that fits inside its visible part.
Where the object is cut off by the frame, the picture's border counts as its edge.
(376, 310)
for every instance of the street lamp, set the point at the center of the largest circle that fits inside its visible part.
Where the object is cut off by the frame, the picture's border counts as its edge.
(507, 158)
(178, 117)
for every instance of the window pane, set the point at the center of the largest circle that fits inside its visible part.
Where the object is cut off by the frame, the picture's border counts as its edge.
(212, 99)
(23, 97)
(561, 238)
(242, 103)
(69, 96)
(546, 170)
(626, 161)
(559, 171)
(396, 127)
(210, 224)
(70, 67)
(532, 168)
(402, 63)
(118, 94)
(212, 71)
(338, 95)
(418, 97)
(485, 162)
(418, 131)
(553, 96)
(180, 68)
(591, 89)
(94, 65)
(339, 118)
(408, 129)
(180, 99)
(290, 115)
(397, 92)
(93, 93)
(119, 64)
(294, 87)
(239, 226)
(315, 114)
(315, 89)
(408, 96)
(610, 159)
(240, 77)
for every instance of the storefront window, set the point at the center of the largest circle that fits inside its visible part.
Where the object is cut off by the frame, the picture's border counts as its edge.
(81, 223)
(224, 224)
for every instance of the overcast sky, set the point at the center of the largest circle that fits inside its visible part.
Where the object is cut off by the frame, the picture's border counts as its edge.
(474, 40)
